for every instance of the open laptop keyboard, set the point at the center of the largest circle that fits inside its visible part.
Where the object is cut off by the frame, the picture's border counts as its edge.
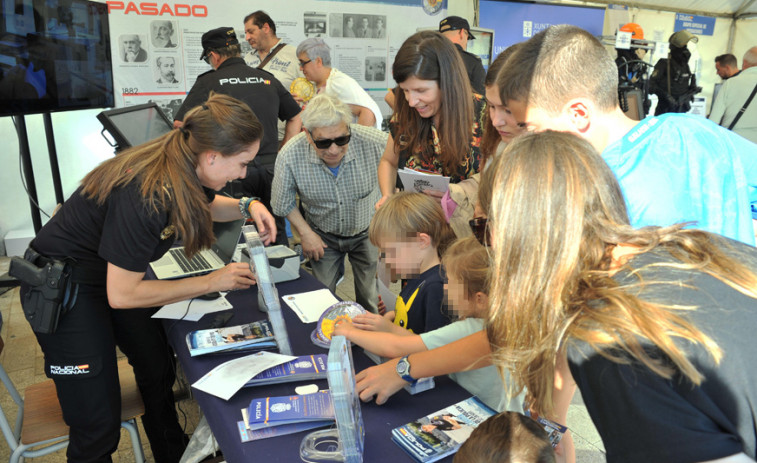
(196, 264)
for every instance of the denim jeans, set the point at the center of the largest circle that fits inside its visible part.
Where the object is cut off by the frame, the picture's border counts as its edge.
(363, 256)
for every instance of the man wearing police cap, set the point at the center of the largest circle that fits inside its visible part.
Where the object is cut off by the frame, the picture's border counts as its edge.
(262, 92)
(457, 30)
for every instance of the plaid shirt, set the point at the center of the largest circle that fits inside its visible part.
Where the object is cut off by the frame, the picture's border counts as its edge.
(341, 205)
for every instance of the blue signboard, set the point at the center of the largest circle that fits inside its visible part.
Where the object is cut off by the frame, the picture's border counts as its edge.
(515, 22)
(698, 25)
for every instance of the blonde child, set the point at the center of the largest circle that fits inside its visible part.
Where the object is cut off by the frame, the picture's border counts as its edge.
(467, 265)
(411, 233)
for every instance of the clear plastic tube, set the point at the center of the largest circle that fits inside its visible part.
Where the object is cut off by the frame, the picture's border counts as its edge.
(267, 292)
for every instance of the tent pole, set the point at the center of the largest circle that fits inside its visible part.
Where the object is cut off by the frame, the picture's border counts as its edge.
(744, 7)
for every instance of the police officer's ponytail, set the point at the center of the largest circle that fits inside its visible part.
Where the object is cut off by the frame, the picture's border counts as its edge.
(166, 167)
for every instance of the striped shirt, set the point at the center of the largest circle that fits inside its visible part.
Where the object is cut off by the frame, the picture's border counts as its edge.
(340, 205)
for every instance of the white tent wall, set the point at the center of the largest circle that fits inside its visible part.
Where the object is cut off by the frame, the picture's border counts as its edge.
(80, 148)
(463, 8)
(745, 37)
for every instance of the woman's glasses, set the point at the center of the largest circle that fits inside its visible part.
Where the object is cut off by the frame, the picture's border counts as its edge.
(479, 229)
(326, 143)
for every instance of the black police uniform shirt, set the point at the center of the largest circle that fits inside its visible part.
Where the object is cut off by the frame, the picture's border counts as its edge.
(420, 304)
(262, 92)
(682, 79)
(124, 231)
(474, 68)
(642, 416)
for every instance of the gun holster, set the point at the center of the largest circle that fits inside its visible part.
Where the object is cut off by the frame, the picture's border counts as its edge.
(51, 291)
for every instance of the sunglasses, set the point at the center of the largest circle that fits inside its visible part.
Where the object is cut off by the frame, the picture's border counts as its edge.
(303, 63)
(326, 143)
(479, 229)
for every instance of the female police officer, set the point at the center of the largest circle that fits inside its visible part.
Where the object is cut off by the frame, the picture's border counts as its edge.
(127, 212)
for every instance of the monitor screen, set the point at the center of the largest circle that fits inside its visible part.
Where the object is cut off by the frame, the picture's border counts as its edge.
(482, 46)
(54, 56)
(134, 125)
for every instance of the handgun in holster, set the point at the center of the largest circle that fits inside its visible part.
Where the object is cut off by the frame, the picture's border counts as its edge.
(50, 294)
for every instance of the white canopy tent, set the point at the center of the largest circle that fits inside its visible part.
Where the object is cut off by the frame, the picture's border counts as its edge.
(740, 13)
(724, 8)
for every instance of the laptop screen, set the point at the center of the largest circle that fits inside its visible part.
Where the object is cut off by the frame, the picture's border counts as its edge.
(227, 237)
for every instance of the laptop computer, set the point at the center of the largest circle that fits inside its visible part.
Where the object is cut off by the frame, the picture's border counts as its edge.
(174, 263)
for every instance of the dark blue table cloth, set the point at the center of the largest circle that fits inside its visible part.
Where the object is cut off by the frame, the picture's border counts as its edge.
(222, 416)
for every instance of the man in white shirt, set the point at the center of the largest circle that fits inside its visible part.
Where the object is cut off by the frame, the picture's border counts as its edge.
(315, 61)
(260, 33)
(732, 97)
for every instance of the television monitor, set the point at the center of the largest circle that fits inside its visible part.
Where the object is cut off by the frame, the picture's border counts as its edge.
(134, 125)
(483, 46)
(54, 56)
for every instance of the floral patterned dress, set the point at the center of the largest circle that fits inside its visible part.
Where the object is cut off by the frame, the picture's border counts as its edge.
(470, 163)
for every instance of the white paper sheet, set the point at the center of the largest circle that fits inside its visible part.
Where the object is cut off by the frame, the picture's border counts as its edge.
(309, 306)
(197, 308)
(389, 298)
(227, 378)
(416, 181)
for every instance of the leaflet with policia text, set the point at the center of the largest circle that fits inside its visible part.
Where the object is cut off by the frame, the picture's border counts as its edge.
(417, 181)
(304, 368)
(250, 337)
(441, 433)
(287, 414)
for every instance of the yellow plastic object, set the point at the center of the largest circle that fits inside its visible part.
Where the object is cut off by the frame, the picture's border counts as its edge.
(302, 88)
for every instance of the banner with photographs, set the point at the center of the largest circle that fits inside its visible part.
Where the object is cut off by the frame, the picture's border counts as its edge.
(156, 52)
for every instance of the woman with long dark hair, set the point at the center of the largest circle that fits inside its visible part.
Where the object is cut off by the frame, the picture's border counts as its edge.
(127, 213)
(436, 126)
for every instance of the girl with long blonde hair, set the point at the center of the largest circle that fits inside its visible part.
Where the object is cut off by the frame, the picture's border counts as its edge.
(654, 325)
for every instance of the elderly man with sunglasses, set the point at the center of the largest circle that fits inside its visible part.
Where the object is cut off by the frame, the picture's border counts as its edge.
(332, 165)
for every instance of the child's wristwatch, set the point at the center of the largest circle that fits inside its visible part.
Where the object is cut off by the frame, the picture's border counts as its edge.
(403, 369)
